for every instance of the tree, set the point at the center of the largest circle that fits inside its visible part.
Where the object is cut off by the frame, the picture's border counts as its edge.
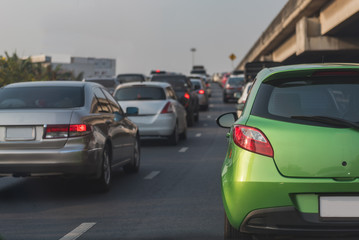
(14, 69)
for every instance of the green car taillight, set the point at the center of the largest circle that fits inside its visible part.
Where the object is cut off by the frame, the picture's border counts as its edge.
(252, 139)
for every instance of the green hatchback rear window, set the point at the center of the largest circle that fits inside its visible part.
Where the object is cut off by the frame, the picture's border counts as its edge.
(285, 99)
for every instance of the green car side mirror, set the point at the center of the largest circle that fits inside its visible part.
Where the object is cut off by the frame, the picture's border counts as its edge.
(226, 120)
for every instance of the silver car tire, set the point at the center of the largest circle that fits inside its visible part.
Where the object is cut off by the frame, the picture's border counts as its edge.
(174, 138)
(190, 119)
(104, 181)
(196, 117)
(134, 165)
(183, 135)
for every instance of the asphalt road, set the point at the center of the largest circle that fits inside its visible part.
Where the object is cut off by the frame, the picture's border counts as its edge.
(176, 194)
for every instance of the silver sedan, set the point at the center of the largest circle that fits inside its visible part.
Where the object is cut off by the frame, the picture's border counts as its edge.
(65, 128)
(200, 86)
(159, 114)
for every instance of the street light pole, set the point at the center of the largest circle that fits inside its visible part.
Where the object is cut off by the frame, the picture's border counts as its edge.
(193, 50)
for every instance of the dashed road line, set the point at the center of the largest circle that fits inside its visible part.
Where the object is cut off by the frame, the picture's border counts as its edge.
(77, 232)
(152, 175)
(182, 150)
(198, 134)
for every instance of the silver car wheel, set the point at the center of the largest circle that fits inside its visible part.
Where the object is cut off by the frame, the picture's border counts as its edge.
(174, 138)
(136, 155)
(134, 165)
(106, 168)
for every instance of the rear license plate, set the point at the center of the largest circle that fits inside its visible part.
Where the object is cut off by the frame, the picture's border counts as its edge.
(20, 133)
(339, 207)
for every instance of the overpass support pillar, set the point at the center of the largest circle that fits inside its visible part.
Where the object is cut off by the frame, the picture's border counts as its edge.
(309, 38)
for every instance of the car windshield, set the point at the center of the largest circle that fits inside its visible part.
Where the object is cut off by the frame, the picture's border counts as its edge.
(41, 97)
(130, 78)
(108, 83)
(196, 83)
(330, 97)
(140, 93)
(235, 81)
(198, 71)
(178, 82)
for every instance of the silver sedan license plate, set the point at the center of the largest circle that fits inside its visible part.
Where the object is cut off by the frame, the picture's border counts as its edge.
(339, 207)
(20, 133)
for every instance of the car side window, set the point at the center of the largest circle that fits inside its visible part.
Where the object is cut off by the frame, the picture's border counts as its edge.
(189, 84)
(170, 93)
(95, 105)
(105, 106)
(113, 103)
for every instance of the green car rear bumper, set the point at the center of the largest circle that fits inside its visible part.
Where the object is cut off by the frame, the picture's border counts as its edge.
(258, 199)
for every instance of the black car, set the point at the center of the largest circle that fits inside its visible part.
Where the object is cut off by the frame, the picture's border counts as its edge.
(109, 83)
(185, 93)
(130, 77)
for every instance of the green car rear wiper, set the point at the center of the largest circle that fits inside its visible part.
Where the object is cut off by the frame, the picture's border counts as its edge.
(329, 120)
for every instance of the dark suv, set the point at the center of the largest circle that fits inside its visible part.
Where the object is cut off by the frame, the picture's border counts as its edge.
(185, 92)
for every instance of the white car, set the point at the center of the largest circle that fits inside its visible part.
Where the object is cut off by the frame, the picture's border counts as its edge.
(247, 89)
(242, 100)
(159, 114)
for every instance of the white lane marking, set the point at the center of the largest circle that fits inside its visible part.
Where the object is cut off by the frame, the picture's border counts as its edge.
(209, 116)
(77, 232)
(184, 149)
(152, 175)
(198, 134)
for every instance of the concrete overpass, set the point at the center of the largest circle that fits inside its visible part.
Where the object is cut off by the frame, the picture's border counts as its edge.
(307, 31)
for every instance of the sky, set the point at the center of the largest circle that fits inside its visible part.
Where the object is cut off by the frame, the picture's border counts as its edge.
(141, 35)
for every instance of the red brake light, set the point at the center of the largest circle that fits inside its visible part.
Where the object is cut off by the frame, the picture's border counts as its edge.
(335, 73)
(252, 139)
(65, 131)
(186, 95)
(158, 71)
(167, 108)
(56, 131)
(201, 91)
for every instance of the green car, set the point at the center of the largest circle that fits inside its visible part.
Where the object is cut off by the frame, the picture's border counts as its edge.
(292, 165)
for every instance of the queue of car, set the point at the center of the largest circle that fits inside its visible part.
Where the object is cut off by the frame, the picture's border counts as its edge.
(291, 163)
(91, 128)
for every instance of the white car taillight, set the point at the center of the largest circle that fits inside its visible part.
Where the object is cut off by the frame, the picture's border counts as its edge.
(167, 108)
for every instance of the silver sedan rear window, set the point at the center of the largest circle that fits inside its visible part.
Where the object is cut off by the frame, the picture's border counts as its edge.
(41, 97)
